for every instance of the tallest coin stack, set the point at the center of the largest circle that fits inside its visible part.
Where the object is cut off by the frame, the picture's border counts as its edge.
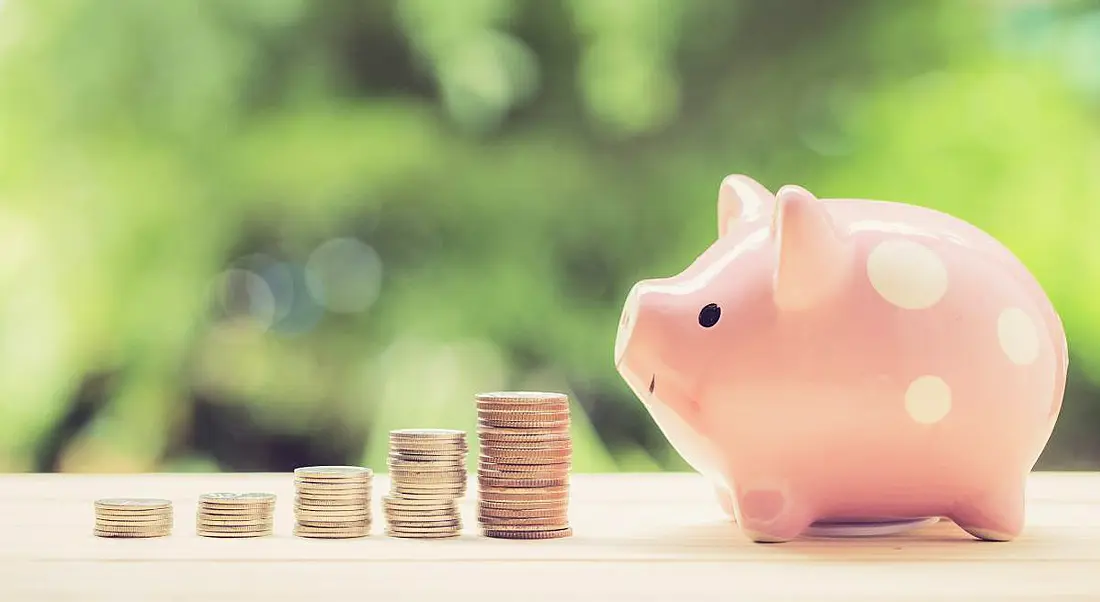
(523, 469)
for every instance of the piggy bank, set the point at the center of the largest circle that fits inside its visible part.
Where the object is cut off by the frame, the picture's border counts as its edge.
(833, 360)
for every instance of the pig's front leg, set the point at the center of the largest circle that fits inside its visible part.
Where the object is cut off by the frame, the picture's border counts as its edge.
(725, 500)
(997, 515)
(770, 514)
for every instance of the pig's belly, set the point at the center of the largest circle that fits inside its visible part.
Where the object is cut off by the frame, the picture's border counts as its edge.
(863, 473)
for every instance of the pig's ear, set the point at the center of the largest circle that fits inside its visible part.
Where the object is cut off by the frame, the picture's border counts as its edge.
(742, 199)
(814, 260)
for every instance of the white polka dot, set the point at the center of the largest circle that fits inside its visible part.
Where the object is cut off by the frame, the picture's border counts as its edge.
(1018, 337)
(928, 399)
(907, 274)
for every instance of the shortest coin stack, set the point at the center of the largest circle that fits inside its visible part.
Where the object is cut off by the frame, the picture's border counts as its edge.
(332, 502)
(427, 476)
(133, 517)
(235, 514)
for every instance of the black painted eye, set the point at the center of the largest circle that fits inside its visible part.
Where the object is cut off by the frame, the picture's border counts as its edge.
(708, 316)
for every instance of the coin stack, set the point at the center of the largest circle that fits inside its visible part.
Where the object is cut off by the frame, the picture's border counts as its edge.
(332, 502)
(427, 477)
(523, 469)
(133, 517)
(235, 515)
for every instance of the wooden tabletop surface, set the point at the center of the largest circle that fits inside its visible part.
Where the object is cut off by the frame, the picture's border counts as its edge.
(638, 537)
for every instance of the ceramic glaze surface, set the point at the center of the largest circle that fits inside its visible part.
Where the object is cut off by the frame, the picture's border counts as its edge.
(839, 359)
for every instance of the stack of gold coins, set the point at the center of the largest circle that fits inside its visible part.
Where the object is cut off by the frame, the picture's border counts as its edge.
(235, 515)
(523, 469)
(427, 477)
(133, 517)
(332, 502)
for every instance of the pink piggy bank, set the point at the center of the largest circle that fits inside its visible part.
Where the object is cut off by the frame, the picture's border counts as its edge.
(830, 360)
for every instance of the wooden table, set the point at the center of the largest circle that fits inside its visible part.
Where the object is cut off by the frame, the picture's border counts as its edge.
(638, 537)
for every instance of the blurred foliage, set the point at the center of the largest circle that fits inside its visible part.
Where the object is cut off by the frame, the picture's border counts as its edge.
(255, 234)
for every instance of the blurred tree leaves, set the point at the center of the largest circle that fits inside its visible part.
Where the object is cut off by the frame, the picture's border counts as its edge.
(172, 172)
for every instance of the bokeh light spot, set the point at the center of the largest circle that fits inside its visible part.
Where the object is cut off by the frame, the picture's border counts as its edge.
(344, 275)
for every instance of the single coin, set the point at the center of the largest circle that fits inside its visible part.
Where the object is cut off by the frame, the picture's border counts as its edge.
(332, 496)
(530, 527)
(454, 481)
(135, 513)
(418, 510)
(498, 508)
(433, 509)
(128, 503)
(310, 494)
(491, 436)
(419, 493)
(535, 494)
(421, 529)
(118, 529)
(424, 446)
(331, 510)
(533, 454)
(327, 533)
(507, 470)
(521, 396)
(440, 535)
(234, 534)
(342, 524)
(454, 522)
(334, 472)
(526, 448)
(401, 499)
(428, 498)
(267, 525)
(437, 521)
(322, 517)
(145, 517)
(454, 459)
(549, 426)
(521, 416)
(235, 509)
(216, 524)
(553, 534)
(428, 476)
(333, 484)
(411, 493)
(317, 506)
(241, 499)
(425, 465)
(532, 483)
(427, 434)
(522, 513)
(495, 522)
(526, 442)
(542, 476)
(105, 526)
(414, 515)
(524, 406)
(235, 514)
(158, 533)
(144, 524)
(407, 458)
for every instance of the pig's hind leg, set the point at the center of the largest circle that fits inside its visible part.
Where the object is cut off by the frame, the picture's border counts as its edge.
(997, 515)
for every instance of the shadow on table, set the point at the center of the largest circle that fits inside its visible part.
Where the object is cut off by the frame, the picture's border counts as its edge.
(720, 539)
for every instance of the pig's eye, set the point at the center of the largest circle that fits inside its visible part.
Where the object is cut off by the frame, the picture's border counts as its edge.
(708, 316)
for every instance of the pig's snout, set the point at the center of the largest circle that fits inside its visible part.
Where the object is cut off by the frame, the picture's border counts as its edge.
(627, 323)
(638, 325)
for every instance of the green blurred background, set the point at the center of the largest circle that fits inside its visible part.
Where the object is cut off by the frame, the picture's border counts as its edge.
(248, 235)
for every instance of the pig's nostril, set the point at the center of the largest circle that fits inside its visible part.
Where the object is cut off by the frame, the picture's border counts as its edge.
(652, 382)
